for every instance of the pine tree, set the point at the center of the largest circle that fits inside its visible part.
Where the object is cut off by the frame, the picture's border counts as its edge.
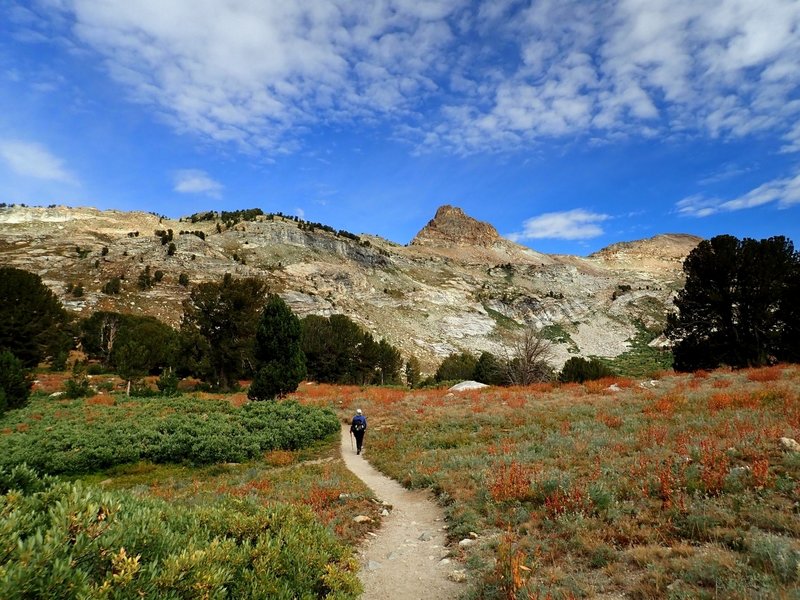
(738, 307)
(33, 324)
(280, 362)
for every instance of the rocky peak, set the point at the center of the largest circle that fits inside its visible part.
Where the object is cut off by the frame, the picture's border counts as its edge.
(451, 226)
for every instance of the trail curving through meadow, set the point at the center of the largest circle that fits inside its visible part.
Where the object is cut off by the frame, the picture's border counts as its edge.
(403, 561)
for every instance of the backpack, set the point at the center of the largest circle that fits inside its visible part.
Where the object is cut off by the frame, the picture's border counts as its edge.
(359, 423)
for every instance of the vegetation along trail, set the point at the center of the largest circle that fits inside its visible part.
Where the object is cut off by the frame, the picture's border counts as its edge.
(404, 560)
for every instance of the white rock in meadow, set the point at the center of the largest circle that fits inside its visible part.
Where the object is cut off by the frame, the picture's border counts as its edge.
(465, 386)
(790, 444)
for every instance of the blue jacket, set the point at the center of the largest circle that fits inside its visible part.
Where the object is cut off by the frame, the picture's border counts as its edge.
(356, 420)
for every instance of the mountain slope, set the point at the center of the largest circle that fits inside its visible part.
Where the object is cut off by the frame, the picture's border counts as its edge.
(457, 286)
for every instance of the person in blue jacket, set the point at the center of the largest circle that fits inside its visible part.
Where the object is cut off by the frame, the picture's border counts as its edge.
(358, 427)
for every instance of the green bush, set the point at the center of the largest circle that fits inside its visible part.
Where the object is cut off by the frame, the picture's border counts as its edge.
(168, 383)
(61, 440)
(66, 540)
(77, 387)
(14, 382)
(578, 370)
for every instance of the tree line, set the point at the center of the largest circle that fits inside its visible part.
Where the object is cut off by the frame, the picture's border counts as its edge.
(230, 330)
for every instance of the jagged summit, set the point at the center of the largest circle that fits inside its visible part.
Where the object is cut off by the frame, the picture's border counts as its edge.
(452, 226)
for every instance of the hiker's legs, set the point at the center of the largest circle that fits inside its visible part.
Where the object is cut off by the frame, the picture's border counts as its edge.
(359, 441)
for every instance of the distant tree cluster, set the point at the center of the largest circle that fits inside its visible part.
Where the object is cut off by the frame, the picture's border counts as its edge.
(525, 361)
(166, 236)
(739, 306)
(132, 345)
(231, 218)
(337, 350)
(197, 233)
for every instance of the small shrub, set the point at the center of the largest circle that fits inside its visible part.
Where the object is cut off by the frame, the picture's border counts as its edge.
(183, 279)
(578, 370)
(112, 286)
(168, 383)
(14, 382)
(77, 387)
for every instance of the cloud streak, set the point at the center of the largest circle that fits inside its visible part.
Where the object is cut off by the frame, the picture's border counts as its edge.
(783, 192)
(31, 159)
(195, 181)
(576, 224)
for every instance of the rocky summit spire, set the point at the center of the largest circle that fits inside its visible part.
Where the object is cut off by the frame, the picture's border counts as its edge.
(452, 227)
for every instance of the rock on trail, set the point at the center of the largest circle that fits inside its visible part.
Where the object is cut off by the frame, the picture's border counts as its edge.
(407, 558)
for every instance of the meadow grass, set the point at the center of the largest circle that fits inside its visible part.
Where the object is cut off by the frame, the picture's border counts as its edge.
(676, 490)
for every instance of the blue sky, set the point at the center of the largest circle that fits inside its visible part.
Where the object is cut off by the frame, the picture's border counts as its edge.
(568, 125)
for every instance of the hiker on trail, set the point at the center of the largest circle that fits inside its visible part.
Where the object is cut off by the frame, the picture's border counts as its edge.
(357, 428)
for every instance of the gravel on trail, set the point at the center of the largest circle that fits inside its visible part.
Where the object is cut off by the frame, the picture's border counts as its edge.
(406, 559)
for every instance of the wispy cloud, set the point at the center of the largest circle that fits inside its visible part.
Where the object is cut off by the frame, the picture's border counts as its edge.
(195, 181)
(576, 224)
(252, 72)
(31, 159)
(454, 74)
(785, 192)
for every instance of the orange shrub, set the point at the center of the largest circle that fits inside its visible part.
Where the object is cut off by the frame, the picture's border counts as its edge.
(101, 401)
(598, 386)
(765, 373)
(279, 458)
(713, 467)
(760, 472)
(612, 421)
(721, 383)
(720, 401)
(511, 482)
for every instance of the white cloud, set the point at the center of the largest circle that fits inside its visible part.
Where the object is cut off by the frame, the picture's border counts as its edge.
(300, 213)
(718, 68)
(195, 181)
(576, 224)
(30, 159)
(785, 192)
(461, 75)
(253, 72)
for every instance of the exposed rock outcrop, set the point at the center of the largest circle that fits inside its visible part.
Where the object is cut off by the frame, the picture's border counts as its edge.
(451, 226)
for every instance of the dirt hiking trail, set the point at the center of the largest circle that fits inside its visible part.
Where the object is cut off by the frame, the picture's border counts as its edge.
(404, 559)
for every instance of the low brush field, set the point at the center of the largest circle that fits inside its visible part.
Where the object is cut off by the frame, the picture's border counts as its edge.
(670, 488)
(676, 487)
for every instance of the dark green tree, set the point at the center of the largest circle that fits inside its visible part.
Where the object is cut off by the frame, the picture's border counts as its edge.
(457, 367)
(33, 324)
(489, 370)
(331, 346)
(578, 370)
(226, 315)
(389, 364)
(413, 372)
(280, 362)
(736, 308)
(15, 384)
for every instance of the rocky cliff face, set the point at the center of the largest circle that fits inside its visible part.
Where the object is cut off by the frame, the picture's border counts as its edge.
(458, 286)
(451, 227)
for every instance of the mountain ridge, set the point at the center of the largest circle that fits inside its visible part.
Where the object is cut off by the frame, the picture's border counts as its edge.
(463, 288)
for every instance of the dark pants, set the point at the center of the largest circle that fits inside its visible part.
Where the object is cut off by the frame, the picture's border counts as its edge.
(359, 435)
